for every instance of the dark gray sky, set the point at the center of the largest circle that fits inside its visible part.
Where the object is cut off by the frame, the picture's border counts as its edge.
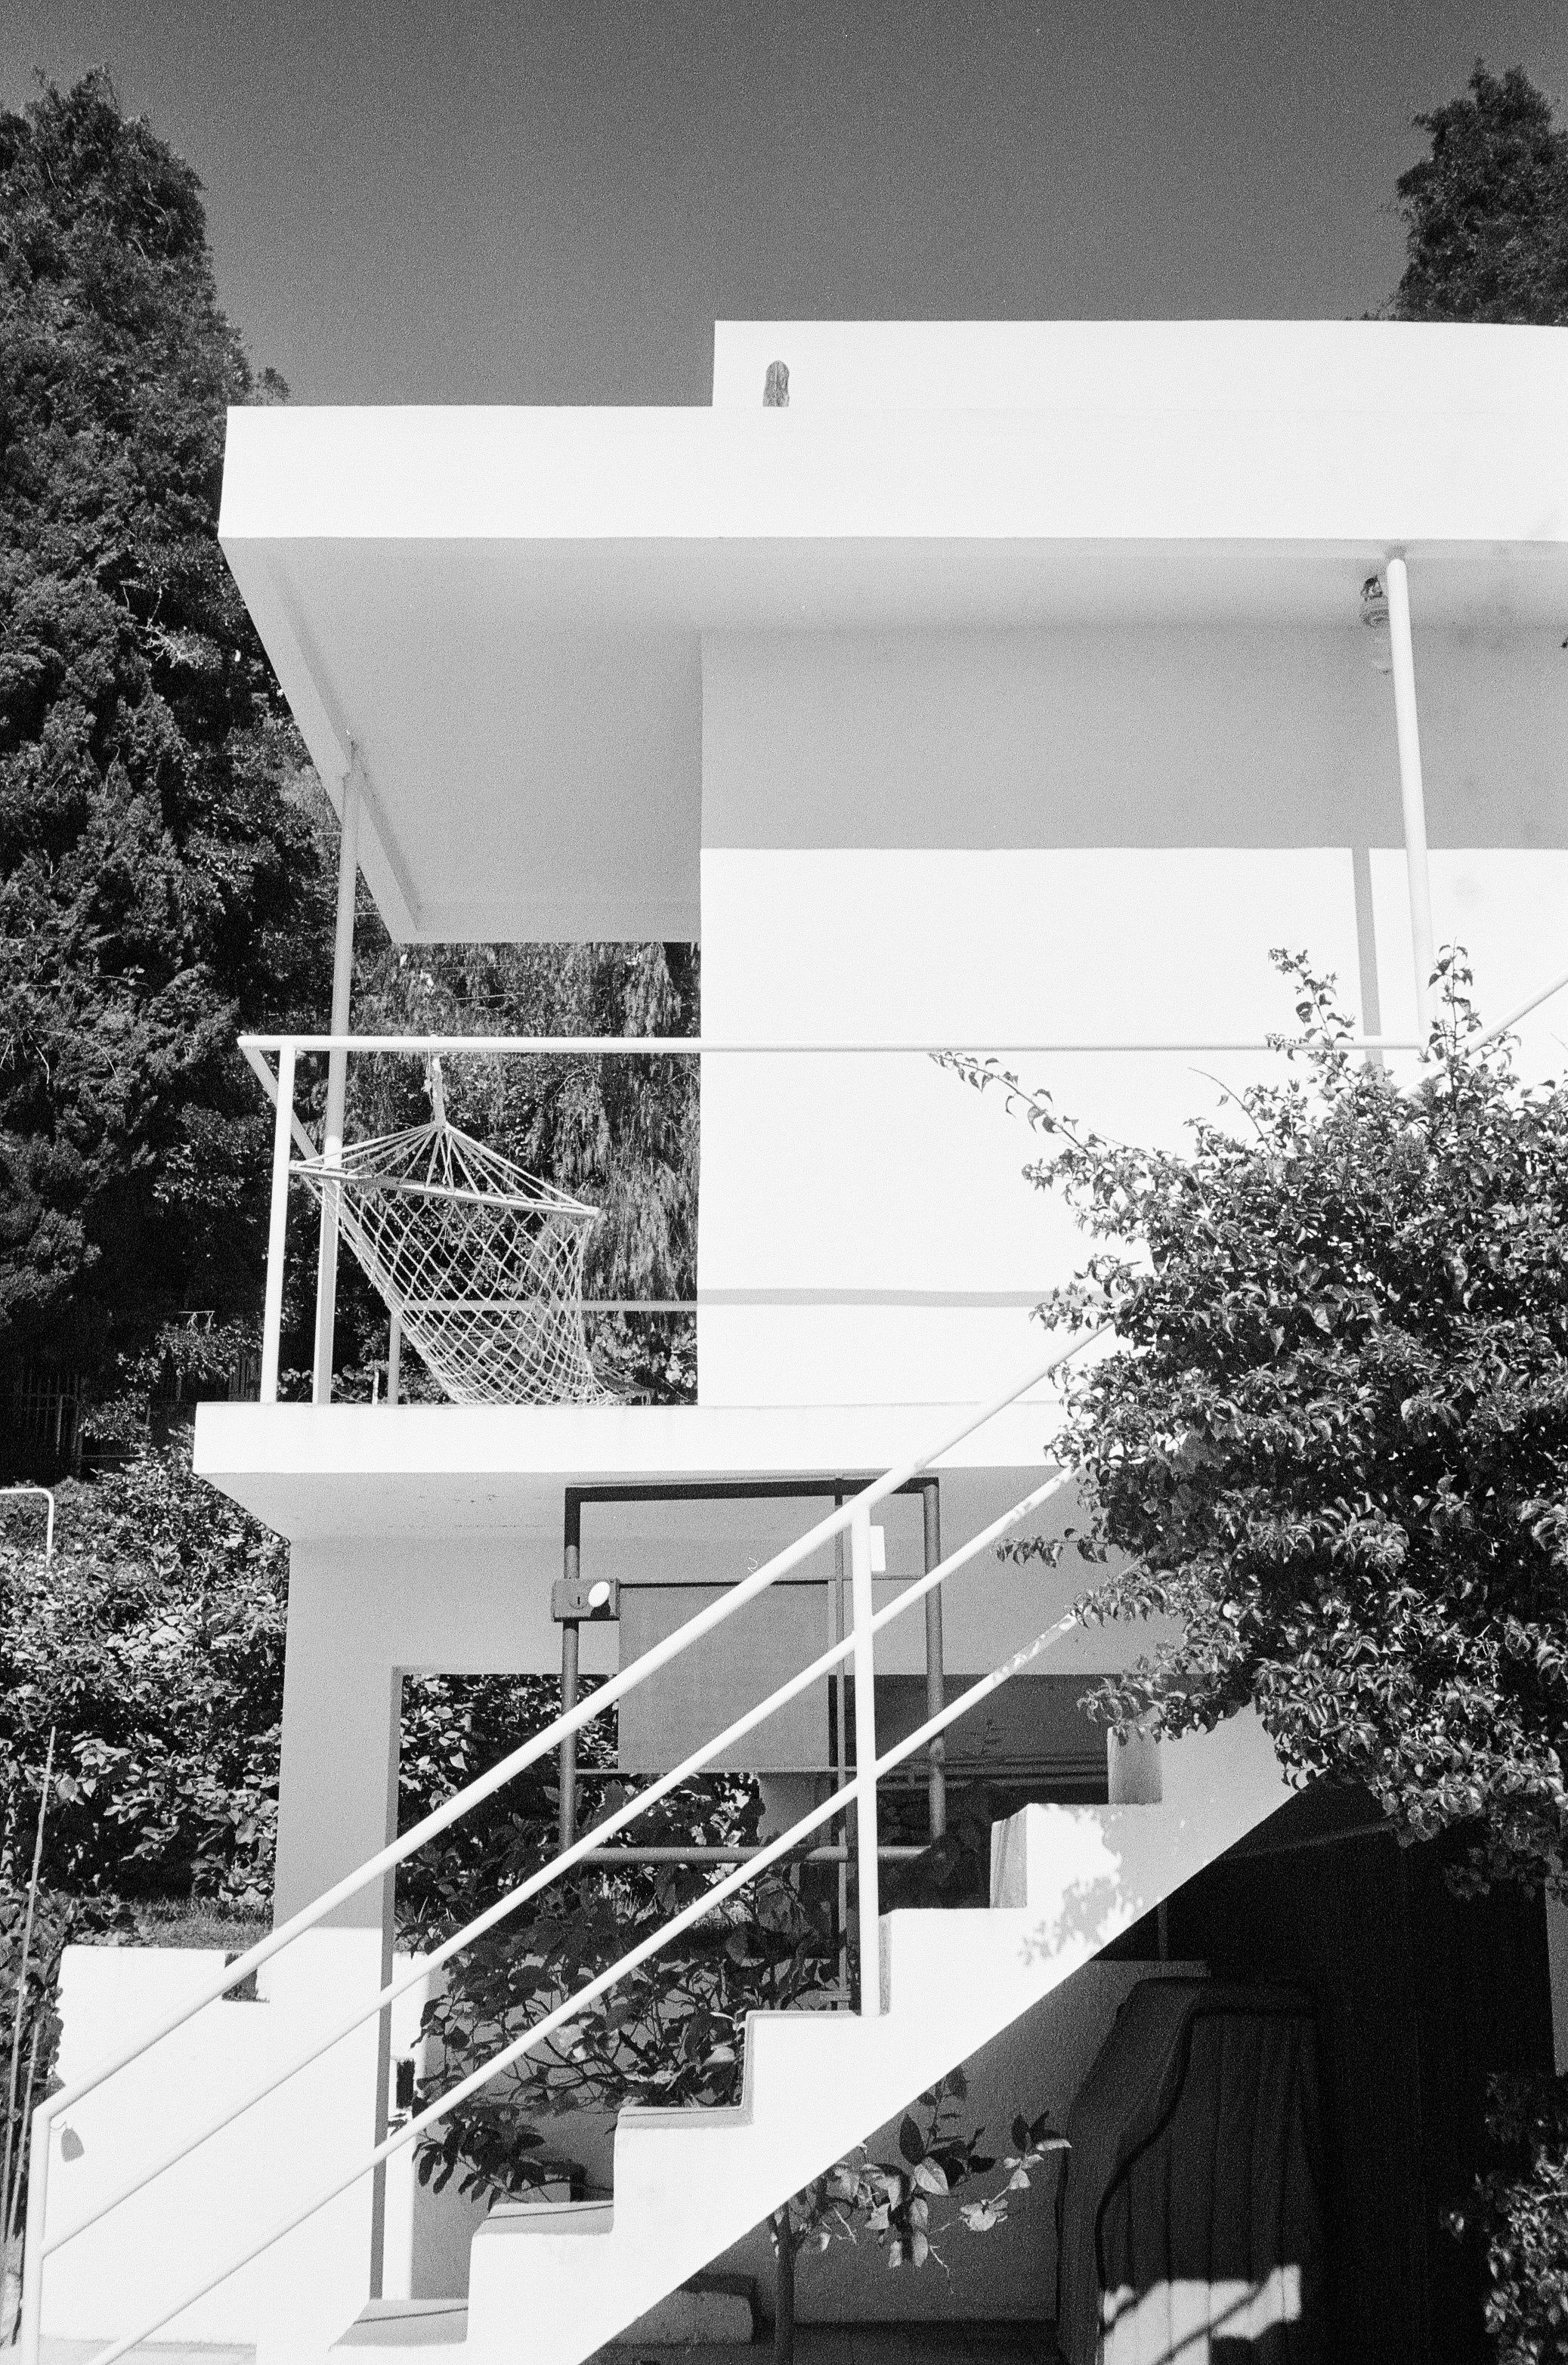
(551, 203)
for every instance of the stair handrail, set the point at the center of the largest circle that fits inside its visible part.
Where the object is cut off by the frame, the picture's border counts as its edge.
(579, 1849)
(849, 1794)
(852, 1517)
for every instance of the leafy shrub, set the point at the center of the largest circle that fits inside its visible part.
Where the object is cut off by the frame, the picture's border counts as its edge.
(670, 2032)
(1332, 1438)
(1523, 2218)
(154, 1644)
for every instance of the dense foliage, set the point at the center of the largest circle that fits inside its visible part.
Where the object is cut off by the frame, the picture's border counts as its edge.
(166, 856)
(1486, 211)
(671, 2032)
(1332, 1437)
(1522, 2216)
(152, 1644)
(160, 877)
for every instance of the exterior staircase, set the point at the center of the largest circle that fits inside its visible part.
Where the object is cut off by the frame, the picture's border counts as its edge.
(556, 2282)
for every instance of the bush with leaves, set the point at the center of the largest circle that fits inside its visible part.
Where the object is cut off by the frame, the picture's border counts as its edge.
(1331, 1439)
(1521, 2215)
(29, 2040)
(153, 1642)
(671, 2032)
(893, 2199)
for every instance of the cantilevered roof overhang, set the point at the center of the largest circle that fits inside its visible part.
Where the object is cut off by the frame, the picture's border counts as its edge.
(501, 611)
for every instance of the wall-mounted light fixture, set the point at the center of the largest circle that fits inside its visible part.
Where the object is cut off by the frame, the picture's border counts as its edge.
(1375, 616)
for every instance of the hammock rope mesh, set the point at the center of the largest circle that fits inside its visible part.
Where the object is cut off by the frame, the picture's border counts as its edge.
(482, 1260)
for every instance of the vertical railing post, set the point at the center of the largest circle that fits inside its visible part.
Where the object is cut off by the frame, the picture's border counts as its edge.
(841, 1748)
(29, 2321)
(571, 1572)
(867, 1907)
(395, 1355)
(337, 1088)
(278, 1225)
(1411, 793)
(935, 1674)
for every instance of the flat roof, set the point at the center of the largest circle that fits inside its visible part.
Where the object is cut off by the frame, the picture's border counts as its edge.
(502, 609)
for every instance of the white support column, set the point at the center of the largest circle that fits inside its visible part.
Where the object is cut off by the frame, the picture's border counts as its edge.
(868, 1907)
(1411, 794)
(277, 1228)
(337, 1083)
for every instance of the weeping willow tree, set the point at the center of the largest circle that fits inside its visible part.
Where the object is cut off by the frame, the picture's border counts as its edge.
(618, 1131)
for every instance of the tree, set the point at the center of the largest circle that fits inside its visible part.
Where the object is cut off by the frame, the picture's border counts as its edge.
(1331, 1439)
(1486, 212)
(620, 1132)
(153, 1644)
(165, 852)
(160, 873)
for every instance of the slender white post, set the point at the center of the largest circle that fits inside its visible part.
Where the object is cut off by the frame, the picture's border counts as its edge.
(394, 1354)
(29, 2321)
(1411, 795)
(868, 1913)
(337, 1086)
(278, 1227)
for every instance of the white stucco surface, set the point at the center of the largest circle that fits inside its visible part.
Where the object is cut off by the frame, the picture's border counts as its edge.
(504, 609)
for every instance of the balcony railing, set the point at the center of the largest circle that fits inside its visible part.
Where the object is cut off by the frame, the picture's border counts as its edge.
(290, 1137)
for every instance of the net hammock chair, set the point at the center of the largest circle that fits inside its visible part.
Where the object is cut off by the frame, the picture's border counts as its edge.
(480, 1260)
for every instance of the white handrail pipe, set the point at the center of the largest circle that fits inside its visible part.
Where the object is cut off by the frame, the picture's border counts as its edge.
(577, 2003)
(618, 1820)
(710, 1047)
(543, 1743)
(868, 1901)
(1521, 1010)
(277, 1227)
(1411, 796)
(337, 1082)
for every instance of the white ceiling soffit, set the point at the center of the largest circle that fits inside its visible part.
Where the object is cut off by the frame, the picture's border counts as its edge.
(503, 608)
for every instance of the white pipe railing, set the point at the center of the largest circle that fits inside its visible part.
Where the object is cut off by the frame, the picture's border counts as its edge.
(853, 1516)
(586, 1996)
(714, 1047)
(582, 1850)
(337, 1045)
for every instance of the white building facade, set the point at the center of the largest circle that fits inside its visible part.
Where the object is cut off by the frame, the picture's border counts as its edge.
(1011, 688)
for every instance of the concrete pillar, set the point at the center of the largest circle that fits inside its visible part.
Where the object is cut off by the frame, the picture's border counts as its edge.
(338, 1786)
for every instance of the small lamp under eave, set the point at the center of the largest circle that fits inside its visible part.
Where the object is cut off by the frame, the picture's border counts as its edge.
(1375, 616)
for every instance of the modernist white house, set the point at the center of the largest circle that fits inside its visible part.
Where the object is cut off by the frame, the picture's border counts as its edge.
(1009, 687)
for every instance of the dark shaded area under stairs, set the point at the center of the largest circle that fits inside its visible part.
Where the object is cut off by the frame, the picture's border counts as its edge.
(1420, 1995)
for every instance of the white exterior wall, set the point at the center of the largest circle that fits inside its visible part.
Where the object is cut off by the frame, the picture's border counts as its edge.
(1095, 834)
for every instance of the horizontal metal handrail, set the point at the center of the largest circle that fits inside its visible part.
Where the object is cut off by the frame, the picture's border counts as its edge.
(700, 1047)
(581, 1851)
(579, 2001)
